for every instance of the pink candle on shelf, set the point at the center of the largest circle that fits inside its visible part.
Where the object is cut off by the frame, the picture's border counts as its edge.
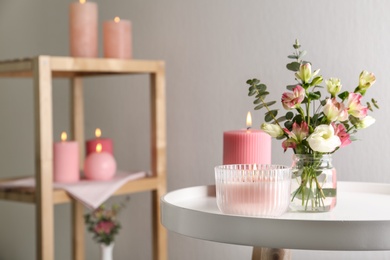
(105, 142)
(246, 146)
(99, 165)
(66, 160)
(83, 30)
(117, 39)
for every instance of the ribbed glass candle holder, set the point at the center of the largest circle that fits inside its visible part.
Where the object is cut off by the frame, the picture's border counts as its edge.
(253, 189)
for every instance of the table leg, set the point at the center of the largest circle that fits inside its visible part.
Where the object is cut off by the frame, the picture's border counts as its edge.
(262, 253)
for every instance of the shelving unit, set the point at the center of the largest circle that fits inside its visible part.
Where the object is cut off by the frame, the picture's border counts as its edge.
(42, 69)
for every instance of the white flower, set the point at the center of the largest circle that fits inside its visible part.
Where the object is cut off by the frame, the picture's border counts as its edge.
(333, 86)
(305, 74)
(365, 122)
(272, 129)
(323, 139)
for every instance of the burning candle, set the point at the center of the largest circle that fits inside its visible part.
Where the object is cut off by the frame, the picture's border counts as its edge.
(83, 29)
(117, 39)
(99, 165)
(106, 143)
(246, 146)
(66, 160)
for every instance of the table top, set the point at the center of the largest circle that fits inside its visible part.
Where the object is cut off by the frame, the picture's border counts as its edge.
(360, 221)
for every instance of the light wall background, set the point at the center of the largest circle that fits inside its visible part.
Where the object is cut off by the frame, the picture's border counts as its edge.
(210, 48)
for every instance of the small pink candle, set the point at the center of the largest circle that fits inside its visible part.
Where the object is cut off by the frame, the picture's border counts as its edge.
(117, 39)
(105, 142)
(99, 165)
(83, 29)
(246, 146)
(66, 160)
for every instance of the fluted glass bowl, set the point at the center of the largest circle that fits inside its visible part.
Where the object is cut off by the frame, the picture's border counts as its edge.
(253, 189)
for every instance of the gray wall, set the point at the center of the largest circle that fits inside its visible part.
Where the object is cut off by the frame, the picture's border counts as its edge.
(210, 49)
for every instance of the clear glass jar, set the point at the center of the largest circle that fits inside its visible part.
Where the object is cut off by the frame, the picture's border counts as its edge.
(314, 183)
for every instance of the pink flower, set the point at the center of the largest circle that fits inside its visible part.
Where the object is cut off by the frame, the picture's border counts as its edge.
(355, 108)
(289, 143)
(341, 132)
(296, 135)
(294, 99)
(299, 132)
(335, 111)
(104, 227)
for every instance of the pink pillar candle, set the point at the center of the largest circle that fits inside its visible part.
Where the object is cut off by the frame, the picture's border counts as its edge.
(117, 39)
(99, 166)
(66, 161)
(247, 146)
(83, 29)
(106, 143)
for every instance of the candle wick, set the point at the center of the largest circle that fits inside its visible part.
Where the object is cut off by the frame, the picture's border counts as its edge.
(248, 128)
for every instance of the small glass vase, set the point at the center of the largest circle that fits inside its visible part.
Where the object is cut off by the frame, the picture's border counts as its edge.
(106, 251)
(314, 183)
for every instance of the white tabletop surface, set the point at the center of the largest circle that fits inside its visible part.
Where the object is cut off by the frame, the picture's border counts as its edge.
(360, 221)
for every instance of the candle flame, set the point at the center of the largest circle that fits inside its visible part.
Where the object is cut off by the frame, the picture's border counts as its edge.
(98, 132)
(249, 120)
(64, 136)
(82, 1)
(117, 19)
(98, 147)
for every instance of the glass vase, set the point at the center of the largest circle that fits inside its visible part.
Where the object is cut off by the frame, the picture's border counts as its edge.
(106, 251)
(314, 183)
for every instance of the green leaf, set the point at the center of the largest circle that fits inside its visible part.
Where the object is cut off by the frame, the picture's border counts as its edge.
(291, 87)
(295, 57)
(314, 95)
(301, 54)
(257, 101)
(251, 93)
(261, 87)
(269, 116)
(281, 119)
(259, 107)
(343, 95)
(288, 124)
(375, 103)
(316, 81)
(369, 106)
(255, 81)
(262, 94)
(329, 192)
(297, 119)
(296, 45)
(293, 66)
(289, 115)
(268, 104)
(249, 82)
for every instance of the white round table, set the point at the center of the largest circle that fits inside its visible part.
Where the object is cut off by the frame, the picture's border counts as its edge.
(360, 221)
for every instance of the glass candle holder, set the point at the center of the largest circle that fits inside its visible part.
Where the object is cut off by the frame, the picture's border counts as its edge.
(253, 189)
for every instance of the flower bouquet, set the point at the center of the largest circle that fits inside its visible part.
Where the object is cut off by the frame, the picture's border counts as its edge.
(103, 223)
(314, 127)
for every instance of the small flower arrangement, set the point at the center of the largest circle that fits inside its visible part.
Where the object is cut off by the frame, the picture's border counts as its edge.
(314, 125)
(103, 223)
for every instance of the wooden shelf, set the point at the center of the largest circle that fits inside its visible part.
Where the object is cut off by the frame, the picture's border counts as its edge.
(60, 196)
(42, 69)
(71, 67)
